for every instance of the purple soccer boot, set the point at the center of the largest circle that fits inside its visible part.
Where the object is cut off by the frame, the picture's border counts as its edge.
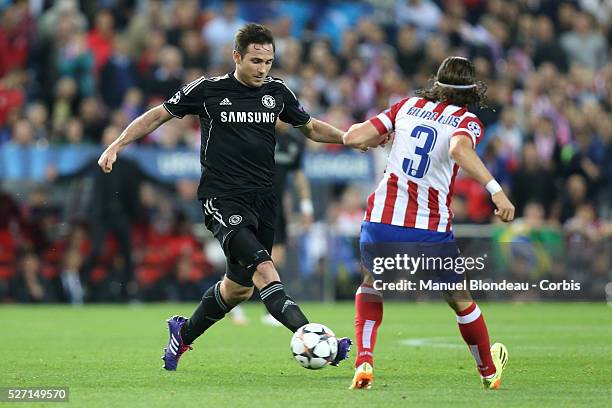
(175, 348)
(344, 346)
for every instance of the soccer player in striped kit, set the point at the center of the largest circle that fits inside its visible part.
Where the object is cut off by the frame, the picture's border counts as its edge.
(435, 135)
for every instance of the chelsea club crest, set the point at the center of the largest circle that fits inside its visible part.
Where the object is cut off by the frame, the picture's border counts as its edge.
(268, 101)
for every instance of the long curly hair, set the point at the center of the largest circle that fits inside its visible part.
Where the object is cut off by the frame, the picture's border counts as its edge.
(455, 71)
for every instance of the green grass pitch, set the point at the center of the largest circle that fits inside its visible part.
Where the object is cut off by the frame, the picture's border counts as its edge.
(109, 356)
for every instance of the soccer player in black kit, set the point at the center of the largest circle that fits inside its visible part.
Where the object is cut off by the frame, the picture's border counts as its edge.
(237, 112)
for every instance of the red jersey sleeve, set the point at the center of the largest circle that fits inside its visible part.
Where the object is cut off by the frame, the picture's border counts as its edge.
(384, 122)
(471, 127)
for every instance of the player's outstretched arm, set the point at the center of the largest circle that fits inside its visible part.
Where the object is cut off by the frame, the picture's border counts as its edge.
(322, 132)
(141, 126)
(303, 187)
(462, 152)
(363, 136)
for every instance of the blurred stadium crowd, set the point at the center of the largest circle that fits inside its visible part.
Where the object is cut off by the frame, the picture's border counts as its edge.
(74, 73)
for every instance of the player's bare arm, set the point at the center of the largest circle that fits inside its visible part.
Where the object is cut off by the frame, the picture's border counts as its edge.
(141, 126)
(462, 152)
(306, 207)
(322, 132)
(364, 135)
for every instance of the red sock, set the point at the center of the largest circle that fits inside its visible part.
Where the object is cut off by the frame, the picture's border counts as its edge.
(368, 316)
(474, 331)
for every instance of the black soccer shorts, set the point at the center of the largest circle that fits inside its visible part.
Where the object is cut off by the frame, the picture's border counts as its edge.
(224, 216)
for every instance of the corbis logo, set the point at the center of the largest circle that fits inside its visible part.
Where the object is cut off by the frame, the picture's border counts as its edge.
(268, 101)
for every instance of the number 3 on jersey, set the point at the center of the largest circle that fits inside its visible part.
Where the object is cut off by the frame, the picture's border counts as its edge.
(425, 141)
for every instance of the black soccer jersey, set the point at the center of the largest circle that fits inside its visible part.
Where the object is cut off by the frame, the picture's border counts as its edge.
(237, 126)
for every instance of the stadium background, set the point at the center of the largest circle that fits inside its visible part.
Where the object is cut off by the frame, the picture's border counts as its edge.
(73, 73)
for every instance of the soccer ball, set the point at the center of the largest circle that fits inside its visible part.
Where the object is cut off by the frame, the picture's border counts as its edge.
(314, 346)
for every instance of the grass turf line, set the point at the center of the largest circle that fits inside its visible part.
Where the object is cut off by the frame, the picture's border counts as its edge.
(560, 355)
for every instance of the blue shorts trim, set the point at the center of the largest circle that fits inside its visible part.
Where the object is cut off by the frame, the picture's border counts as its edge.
(388, 241)
(375, 232)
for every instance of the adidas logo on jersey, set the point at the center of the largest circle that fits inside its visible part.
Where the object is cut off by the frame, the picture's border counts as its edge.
(225, 102)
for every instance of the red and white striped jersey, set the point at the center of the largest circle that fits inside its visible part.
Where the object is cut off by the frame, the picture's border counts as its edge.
(417, 187)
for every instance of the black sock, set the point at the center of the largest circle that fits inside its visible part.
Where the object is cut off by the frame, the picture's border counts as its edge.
(211, 309)
(282, 307)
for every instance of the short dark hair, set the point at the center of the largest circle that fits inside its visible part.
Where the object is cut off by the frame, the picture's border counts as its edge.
(252, 33)
(455, 71)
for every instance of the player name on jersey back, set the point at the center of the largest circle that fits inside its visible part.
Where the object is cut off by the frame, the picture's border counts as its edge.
(435, 116)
